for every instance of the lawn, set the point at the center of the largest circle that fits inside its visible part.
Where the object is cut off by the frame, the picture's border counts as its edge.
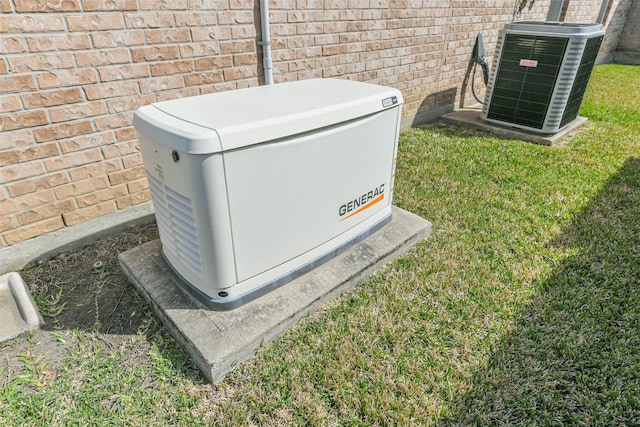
(522, 307)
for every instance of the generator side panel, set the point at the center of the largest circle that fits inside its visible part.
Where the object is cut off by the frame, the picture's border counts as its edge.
(290, 196)
(189, 197)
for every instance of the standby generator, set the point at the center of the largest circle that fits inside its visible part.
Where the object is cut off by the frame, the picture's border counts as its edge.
(254, 187)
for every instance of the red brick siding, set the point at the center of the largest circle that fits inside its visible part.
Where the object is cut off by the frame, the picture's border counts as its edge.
(73, 72)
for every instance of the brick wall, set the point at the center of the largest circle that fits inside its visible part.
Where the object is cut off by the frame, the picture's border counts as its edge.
(614, 22)
(630, 36)
(72, 72)
(581, 11)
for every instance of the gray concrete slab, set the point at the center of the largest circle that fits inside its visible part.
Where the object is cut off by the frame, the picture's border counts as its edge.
(18, 310)
(217, 340)
(470, 118)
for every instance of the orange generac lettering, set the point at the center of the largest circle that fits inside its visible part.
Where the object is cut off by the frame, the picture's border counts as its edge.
(361, 203)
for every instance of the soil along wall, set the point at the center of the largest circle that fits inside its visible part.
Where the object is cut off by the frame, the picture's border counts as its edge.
(73, 72)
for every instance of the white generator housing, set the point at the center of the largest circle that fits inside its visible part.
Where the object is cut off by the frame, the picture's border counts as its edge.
(254, 187)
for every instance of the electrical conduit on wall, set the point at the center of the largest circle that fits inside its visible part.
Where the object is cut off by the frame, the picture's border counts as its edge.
(266, 42)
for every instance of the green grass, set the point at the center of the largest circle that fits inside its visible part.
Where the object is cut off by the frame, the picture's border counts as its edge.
(522, 308)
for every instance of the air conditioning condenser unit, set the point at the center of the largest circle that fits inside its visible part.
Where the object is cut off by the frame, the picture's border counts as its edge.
(540, 73)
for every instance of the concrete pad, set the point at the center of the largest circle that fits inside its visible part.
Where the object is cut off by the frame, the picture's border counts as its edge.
(18, 310)
(217, 340)
(470, 118)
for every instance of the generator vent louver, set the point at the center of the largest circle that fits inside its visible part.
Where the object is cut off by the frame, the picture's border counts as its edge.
(540, 74)
(174, 216)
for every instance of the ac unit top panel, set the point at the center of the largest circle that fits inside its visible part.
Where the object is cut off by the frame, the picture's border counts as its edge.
(554, 28)
(235, 119)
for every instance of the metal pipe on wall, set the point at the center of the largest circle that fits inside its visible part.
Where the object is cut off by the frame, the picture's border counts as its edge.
(266, 42)
(555, 9)
(603, 11)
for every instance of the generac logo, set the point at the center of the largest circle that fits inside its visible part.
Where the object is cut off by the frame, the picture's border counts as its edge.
(361, 203)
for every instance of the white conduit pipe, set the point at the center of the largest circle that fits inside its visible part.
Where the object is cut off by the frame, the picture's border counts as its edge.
(266, 41)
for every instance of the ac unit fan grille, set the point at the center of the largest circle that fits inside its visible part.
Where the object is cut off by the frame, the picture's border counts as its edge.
(521, 94)
(581, 80)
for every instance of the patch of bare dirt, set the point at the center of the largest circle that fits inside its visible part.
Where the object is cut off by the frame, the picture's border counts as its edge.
(82, 290)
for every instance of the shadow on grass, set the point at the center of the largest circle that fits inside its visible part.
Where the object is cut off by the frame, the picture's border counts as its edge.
(573, 357)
